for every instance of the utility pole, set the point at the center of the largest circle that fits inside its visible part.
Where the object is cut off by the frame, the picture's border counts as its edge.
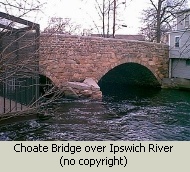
(114, 17)
(103, 18)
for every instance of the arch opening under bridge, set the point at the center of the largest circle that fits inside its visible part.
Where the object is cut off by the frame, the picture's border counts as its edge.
(128, 75)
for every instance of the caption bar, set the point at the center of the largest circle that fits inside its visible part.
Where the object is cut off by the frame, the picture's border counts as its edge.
(95, 155)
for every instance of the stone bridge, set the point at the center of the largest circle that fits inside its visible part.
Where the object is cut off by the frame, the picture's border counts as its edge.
(71, 59)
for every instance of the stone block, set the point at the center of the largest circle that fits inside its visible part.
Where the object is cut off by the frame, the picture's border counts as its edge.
(68, 61)
(86, 93)
(78, 85)
(70, 93)
(91, 83)
(151, 63)
(97, 96)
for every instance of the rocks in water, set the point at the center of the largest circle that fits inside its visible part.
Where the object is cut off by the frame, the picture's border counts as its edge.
(70, 93)
(86, 93)
(78, 85)
(86, 89)
(97, 95)
(92, 83)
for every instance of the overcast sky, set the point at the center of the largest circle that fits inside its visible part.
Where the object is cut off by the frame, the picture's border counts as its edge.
(84, 13)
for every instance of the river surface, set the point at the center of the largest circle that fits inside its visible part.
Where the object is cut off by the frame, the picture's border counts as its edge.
(123, 114)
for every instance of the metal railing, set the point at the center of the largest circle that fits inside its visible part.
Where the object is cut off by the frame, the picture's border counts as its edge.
(19, 65)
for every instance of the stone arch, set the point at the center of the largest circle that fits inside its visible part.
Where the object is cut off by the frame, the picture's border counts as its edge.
(131, 73)
(45, 84)
(131, 60)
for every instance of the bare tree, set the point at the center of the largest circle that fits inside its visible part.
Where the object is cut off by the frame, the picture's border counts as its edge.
(108, 13)
(21, 8)
(19, 59)
(14, 28)
(104, 12)
(157, 18)
(62, 26)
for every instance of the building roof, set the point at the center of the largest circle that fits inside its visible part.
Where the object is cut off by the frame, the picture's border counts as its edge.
(127, 37)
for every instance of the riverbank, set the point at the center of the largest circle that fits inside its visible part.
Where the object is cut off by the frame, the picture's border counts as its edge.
(176, 83)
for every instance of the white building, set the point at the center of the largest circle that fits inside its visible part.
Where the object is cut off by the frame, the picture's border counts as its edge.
(179, 42)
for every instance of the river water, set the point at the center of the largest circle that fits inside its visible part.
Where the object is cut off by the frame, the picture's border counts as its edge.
(124, 114)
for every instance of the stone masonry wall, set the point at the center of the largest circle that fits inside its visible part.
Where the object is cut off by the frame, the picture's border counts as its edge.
(73, 58)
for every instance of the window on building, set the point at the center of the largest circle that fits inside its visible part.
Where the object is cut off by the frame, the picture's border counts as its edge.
(177, 41)
(188, 62)
(186, 20)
